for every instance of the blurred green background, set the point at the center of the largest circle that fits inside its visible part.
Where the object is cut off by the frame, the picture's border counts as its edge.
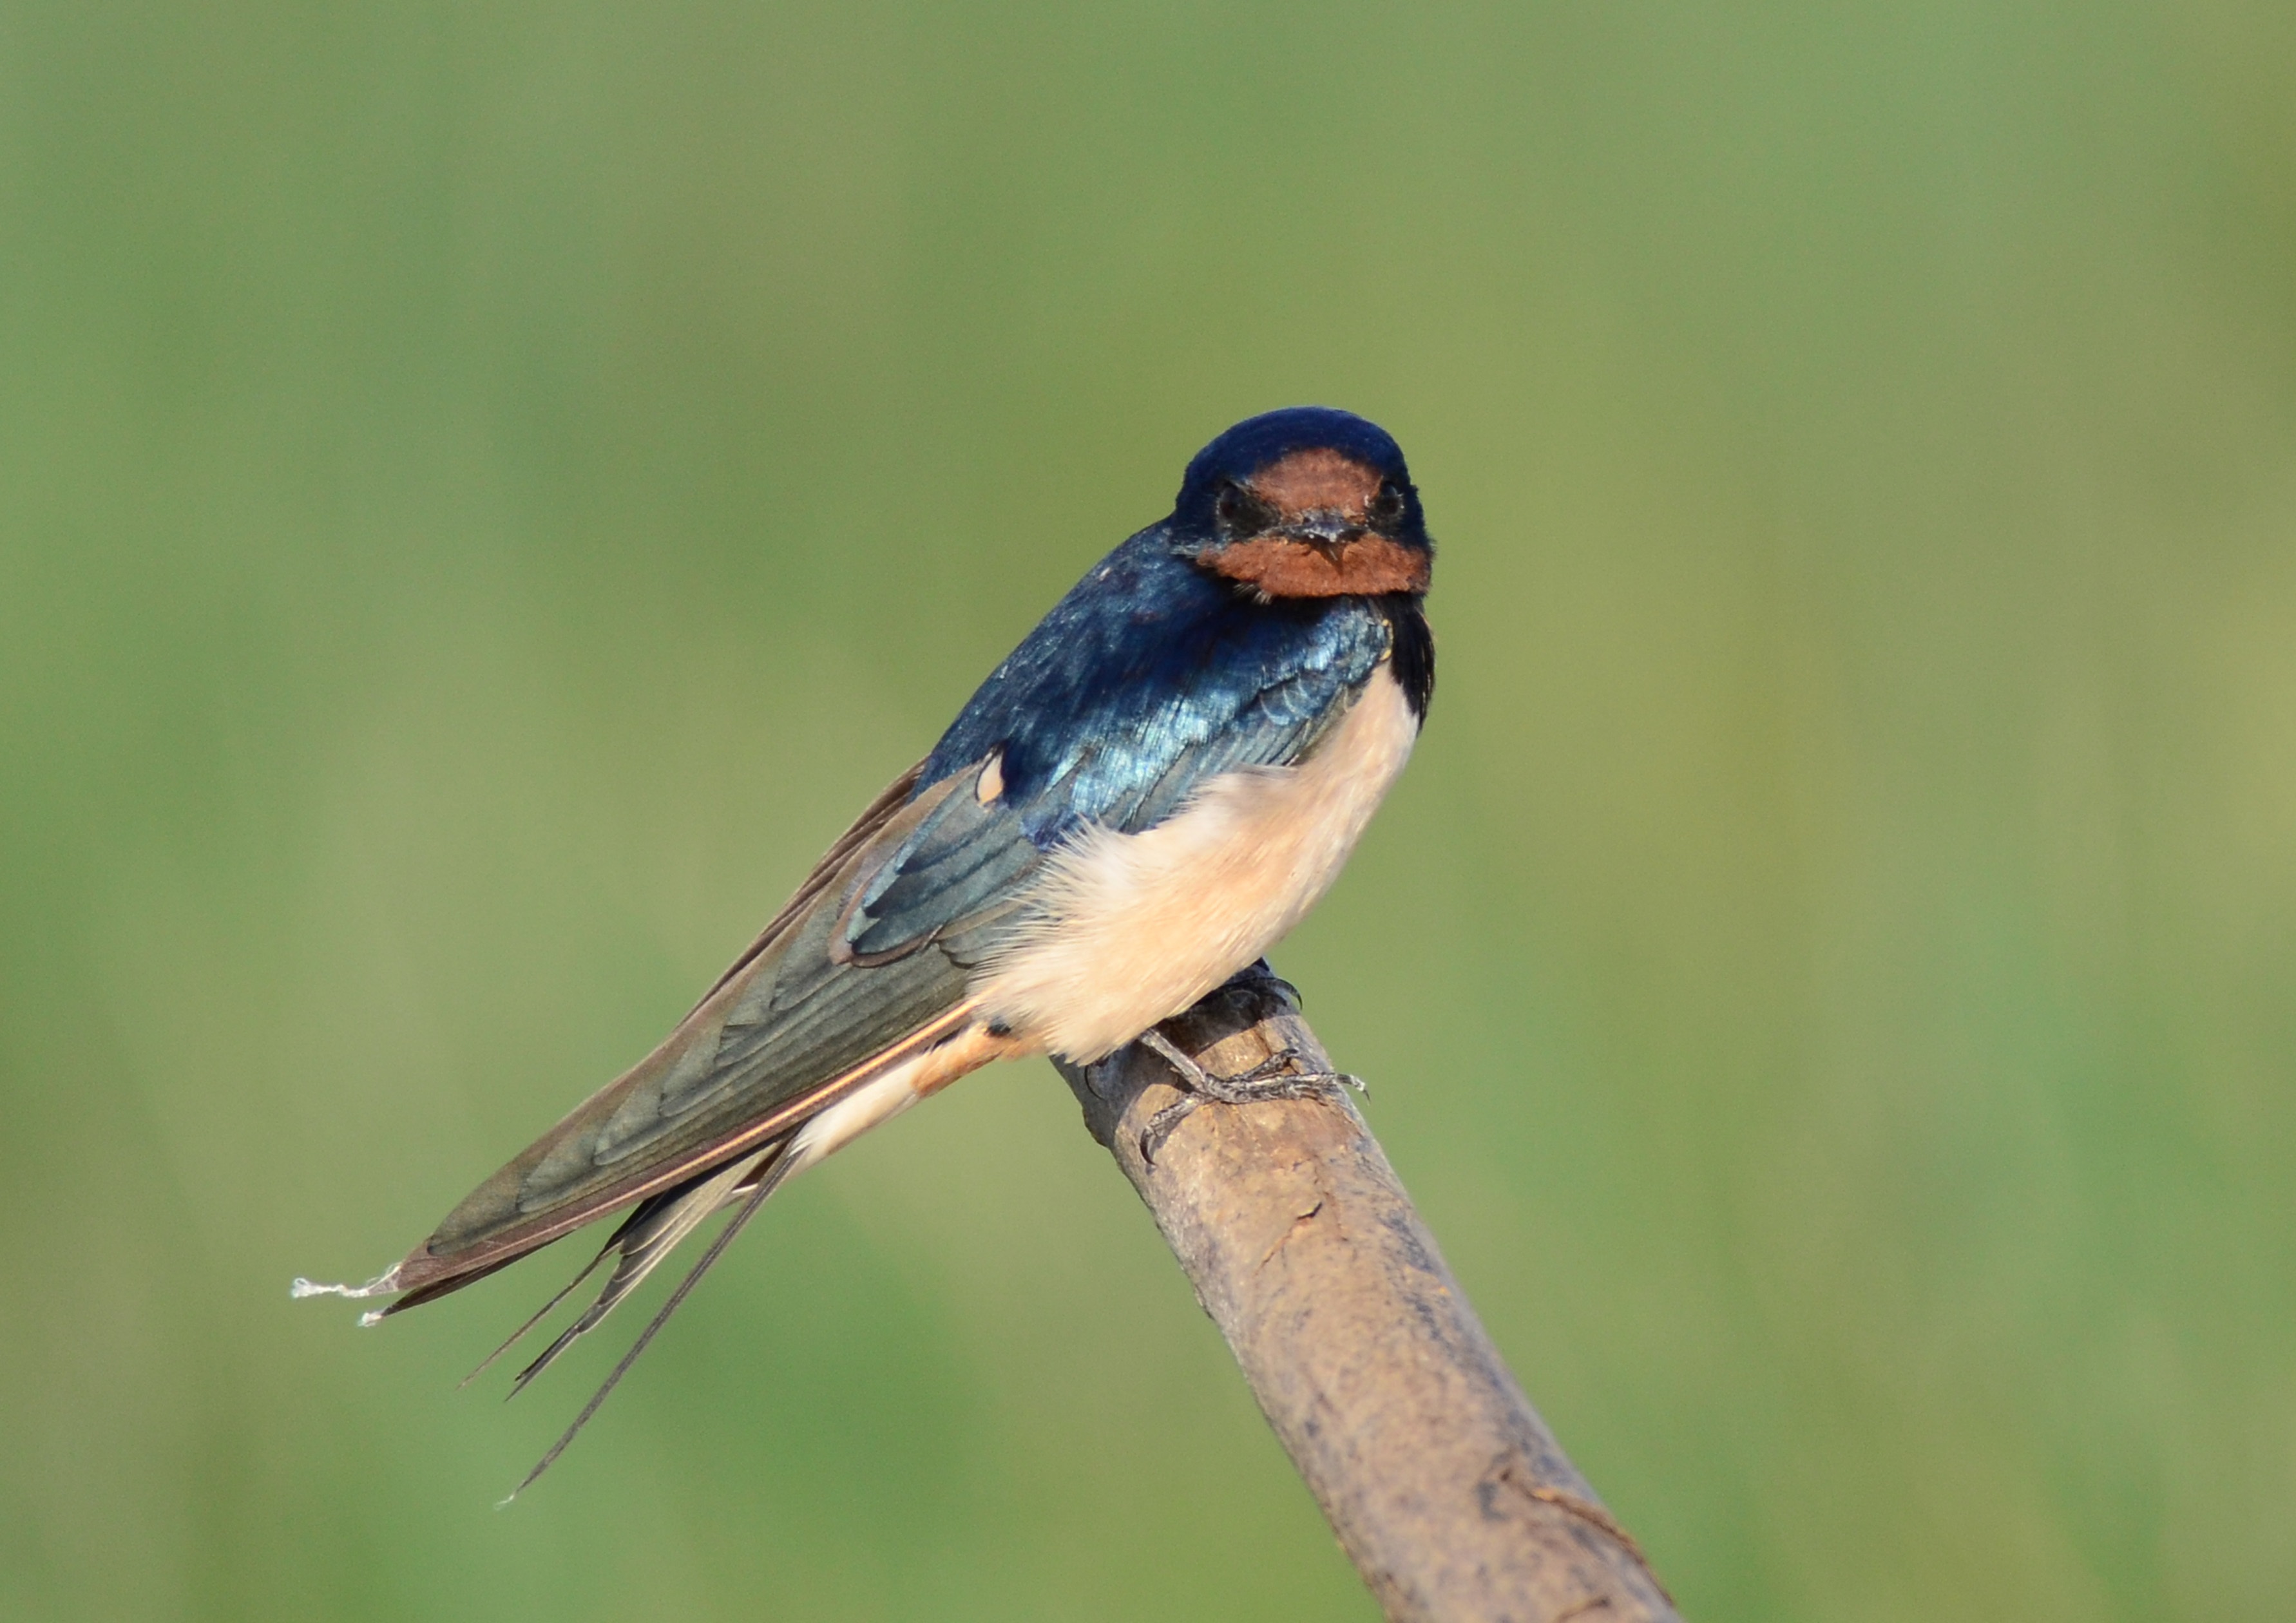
(486, 491)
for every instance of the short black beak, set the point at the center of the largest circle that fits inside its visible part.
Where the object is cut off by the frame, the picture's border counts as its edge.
(1326, 532)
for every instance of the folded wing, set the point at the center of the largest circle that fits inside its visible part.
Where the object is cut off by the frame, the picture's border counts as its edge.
(798, 1022)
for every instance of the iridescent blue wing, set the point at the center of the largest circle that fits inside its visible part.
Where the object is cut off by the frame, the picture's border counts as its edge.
(1144, 683)
(1149, 676)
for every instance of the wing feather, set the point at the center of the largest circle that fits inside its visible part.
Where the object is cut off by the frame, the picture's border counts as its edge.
(785, 1033)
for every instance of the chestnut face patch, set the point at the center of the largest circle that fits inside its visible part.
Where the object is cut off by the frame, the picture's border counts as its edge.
(1364, 566)
(1317, 482)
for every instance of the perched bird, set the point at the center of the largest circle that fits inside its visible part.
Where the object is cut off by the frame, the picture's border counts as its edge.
(1147, 794)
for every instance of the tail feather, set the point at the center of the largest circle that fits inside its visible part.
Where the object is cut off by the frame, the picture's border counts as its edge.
(648, 1234)
(541, 1313)
(767, 1179)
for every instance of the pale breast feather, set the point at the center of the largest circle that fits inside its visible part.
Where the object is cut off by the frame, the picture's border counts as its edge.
(1125, 930)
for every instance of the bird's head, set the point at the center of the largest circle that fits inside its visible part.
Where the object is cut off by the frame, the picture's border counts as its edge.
(1306, 502)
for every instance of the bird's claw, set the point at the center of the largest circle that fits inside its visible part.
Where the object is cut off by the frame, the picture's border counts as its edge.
(1273, 1077)
(1284, 989)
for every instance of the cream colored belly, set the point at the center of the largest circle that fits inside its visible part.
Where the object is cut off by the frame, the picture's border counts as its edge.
(1133, 928)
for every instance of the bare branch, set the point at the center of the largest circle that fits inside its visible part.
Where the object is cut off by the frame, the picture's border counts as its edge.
(1447, 1491)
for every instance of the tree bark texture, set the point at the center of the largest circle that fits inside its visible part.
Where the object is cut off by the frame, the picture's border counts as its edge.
(1445, 1486)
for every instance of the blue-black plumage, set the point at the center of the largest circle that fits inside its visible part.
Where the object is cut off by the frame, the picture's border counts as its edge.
(1148, 661)
(1154, 787)
(1155, 672)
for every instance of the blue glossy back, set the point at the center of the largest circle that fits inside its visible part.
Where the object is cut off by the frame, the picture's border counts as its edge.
(1147, 677)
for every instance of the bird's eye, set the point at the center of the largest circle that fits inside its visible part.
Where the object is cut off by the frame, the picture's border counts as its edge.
(1240, 511)
(1387, 506)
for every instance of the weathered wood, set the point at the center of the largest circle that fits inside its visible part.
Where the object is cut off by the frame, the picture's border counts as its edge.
(1445, 1489)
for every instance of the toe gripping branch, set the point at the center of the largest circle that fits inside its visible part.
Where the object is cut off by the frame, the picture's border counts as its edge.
(1254, 994)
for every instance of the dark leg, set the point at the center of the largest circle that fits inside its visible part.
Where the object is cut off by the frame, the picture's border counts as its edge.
(1274, 1077)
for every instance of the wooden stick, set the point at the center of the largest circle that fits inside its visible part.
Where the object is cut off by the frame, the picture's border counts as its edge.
(1446, 1490)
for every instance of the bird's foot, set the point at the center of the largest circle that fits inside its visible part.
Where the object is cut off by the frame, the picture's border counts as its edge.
(1276, 1076)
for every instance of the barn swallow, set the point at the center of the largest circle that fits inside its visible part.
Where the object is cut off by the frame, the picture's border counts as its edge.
(1152, 788)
